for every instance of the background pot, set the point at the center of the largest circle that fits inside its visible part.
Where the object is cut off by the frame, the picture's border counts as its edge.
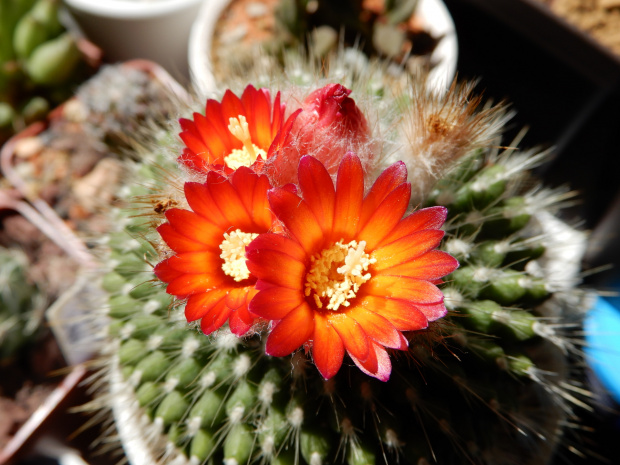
(433, 15)
(126, 29)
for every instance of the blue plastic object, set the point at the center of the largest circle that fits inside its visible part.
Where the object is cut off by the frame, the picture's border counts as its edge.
(602, 328)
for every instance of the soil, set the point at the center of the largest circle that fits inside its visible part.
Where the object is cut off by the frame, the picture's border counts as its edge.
(598, 18)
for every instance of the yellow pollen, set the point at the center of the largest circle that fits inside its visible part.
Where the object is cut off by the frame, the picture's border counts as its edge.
(337, 273)
(233, 254)
(246, 156)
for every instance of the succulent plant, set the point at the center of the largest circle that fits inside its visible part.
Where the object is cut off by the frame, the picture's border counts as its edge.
(120, 99)
(20, 304)
(490, 382)
(381, 28)
(40, 62)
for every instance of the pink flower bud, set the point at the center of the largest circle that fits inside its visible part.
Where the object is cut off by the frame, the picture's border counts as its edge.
(329, 125)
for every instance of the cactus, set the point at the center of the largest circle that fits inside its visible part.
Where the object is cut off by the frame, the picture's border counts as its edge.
(20, 304)
(382, 29)
(490, 382)
(39, 62)
(119, 100)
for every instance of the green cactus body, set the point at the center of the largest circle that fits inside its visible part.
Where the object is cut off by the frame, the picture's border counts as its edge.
(471, 388)
(20, 305)
(230, 403)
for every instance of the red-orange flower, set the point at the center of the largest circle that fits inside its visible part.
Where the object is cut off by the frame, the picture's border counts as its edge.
(352, 274)
(235, 132)
(208, 266)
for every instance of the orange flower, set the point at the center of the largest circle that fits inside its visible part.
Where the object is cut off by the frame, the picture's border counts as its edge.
(236, 132)
(208, 266)
(352, 274)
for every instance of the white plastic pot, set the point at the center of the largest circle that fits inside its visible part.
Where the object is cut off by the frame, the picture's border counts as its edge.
(157, 30)
(433, 15)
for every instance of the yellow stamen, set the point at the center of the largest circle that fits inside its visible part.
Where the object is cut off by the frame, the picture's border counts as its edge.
(337, 273)
(233, 254)
(246, 156)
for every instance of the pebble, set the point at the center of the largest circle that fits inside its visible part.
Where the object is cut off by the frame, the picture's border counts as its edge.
(256, 9)
(28, 147)
(98, 187)
(234, 35)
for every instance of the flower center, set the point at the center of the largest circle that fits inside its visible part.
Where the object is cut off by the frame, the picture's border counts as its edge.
(233, 254)
(337, 273)
(246, 156)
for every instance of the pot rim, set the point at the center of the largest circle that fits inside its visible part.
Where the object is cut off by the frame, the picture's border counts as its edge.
(128, 9)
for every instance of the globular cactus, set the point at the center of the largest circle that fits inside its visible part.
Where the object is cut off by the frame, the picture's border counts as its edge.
(20, 304)
(39, 62)
(490, 382)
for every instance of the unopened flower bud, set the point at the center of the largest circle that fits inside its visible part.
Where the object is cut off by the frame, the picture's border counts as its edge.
(329, 125)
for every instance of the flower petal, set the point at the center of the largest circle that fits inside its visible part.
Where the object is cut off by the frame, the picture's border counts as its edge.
(378, 328)
(318, 191)
(194, 141)
(297, 217)
(257, 104)
(196, 262)
(426, 218)
(178, 242)
(432, 312)
(241, 319)
(406, 248)
(214, 114)
(216, 145)
(200, 200)
(378, 365)
(400, 313)
(349, 194)
(431, 265)
(228, 201)
(277, 117)
(237, 296)
(195, 227)
(192, 160)
(351, 333)
(291, 332)
(279, 243)
(386, 216)
(252, 190)
(232, 106)
(276, 302)
(387, 181)
(327, 347)
(198, 305)
(215, 317)
(188, 284)
(165, 272)
(401, 287)
(275, 267)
